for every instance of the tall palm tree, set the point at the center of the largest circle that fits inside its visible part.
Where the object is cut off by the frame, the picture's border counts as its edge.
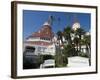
(59, 34)
(67, 34)
(58, 49)
(76, 42)
(87, 40)
(79, 32)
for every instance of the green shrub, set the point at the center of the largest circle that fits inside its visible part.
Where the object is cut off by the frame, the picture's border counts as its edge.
(45, 57)
(69, 51)
(61, 60)
(83, 54)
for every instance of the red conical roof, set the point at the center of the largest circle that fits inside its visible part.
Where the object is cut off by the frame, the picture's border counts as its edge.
(44, 32)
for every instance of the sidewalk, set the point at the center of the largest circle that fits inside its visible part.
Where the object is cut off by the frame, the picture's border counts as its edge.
(78, 61)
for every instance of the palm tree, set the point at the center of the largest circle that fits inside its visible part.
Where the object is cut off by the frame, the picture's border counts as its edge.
(87, 40)
(58, 49)
(76, 42)
(67, 34)
(79, 32)
(59, 34)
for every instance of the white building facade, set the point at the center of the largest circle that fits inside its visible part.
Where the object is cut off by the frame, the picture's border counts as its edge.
(43, 41)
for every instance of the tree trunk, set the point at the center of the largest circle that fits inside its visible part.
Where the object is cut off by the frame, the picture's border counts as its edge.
(89, 55)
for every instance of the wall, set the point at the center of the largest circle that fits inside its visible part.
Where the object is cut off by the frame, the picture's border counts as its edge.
(5, 40)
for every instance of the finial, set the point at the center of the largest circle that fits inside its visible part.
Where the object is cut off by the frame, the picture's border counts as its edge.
(50, 19)
(75, 18)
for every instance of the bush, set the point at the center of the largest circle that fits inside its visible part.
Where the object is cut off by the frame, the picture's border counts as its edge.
(69, 51)
(65, 60)
(45, 57)
(31, 62)
(83, 54)
(61, 60)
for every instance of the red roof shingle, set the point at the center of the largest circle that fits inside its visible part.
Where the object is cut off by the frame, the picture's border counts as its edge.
(41, 43)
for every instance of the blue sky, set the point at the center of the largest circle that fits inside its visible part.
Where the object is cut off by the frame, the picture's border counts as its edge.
(33, 20)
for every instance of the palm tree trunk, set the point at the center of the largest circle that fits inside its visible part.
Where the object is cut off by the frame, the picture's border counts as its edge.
(80, 43)
(77, 50)
(89, 55)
